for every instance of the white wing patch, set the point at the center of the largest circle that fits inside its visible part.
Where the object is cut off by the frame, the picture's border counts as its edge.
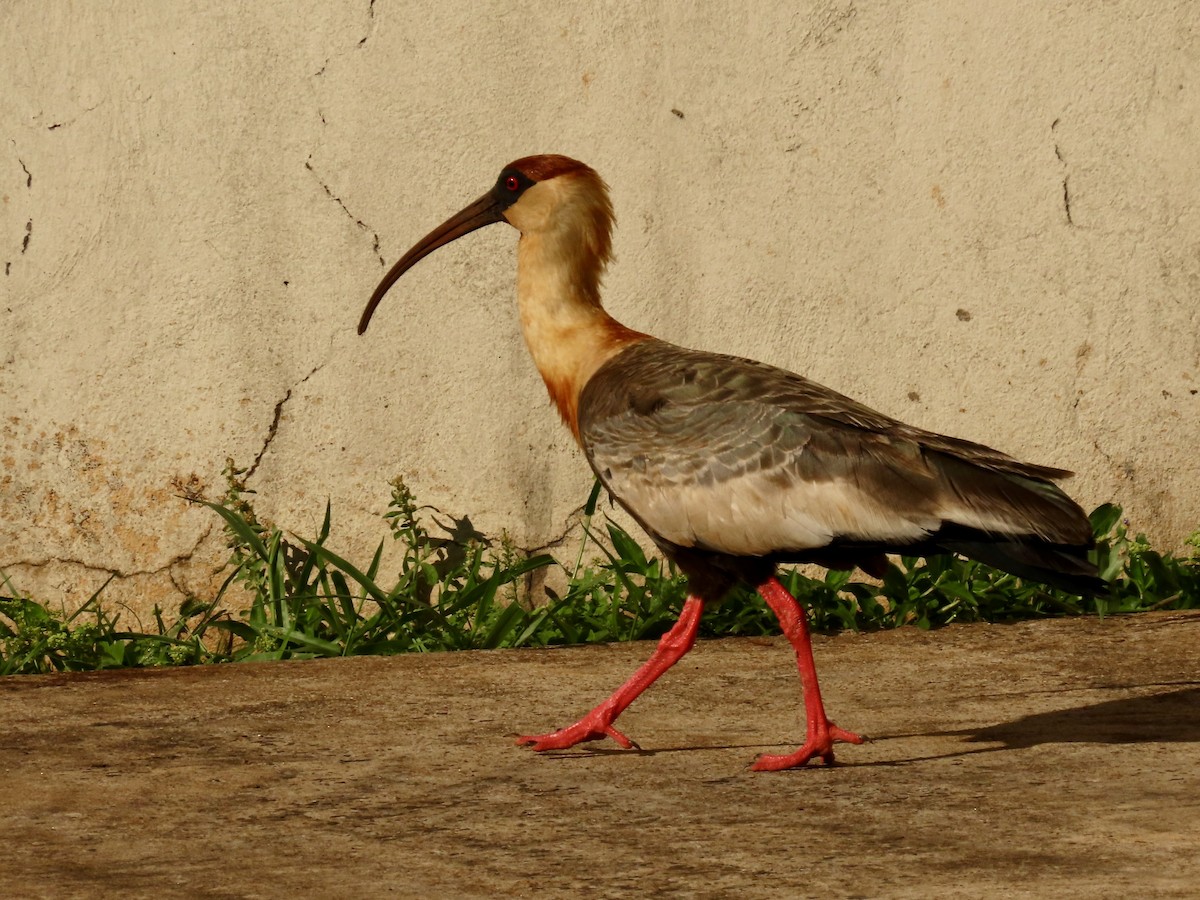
(751, 515)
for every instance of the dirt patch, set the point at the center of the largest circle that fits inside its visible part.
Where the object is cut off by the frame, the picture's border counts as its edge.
(1025, 760)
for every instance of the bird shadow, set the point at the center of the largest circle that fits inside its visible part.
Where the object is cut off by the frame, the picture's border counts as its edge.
(590, 752)
(1165, 717)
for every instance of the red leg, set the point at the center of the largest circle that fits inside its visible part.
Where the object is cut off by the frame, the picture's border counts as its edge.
(821, 732)
(598, 723)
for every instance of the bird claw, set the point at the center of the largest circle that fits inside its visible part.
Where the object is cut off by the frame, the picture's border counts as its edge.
(818, 745)
(590, 728)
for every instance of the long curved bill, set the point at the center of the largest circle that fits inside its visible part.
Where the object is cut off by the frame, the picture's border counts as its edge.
(484, 211)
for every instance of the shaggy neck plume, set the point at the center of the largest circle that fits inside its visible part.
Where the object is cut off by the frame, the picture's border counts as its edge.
(560, 261)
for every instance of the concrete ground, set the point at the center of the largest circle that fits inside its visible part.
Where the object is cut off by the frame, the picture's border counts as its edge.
(1041, 759)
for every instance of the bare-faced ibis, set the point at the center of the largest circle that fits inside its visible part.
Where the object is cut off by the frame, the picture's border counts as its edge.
(732, 466)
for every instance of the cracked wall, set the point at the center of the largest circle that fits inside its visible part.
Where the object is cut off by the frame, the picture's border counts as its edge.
(982, 219)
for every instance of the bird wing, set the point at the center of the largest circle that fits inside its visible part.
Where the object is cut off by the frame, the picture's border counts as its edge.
(734, 456)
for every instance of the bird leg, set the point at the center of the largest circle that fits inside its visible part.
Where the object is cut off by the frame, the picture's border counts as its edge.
(821, 732)
(598, 723)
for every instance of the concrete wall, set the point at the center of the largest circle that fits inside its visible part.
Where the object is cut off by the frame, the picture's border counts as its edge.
(982, 217)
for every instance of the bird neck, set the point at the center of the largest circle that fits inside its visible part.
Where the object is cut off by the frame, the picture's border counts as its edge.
(567, 331)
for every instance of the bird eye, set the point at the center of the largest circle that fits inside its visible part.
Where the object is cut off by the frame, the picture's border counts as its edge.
(511, 183)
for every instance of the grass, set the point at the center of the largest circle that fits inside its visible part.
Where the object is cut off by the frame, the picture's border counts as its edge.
(454, 590)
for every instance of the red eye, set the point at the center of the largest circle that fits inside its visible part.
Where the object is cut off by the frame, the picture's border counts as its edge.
(511, 183)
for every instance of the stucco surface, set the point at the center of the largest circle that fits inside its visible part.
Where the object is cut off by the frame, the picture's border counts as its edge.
(981, 217)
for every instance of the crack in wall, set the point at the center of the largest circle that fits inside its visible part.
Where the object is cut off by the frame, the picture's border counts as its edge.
(273, 429)
(1066, 189)
(29, 223)
(362, 40)
(271, 432)
(66, 122)
(370, 22)
(174, 561)
(565, 537)
(357, 221)
(573, 524)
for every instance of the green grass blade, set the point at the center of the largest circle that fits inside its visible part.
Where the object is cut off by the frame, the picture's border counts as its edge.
(506, 622)
(331, 558)
(240, 527)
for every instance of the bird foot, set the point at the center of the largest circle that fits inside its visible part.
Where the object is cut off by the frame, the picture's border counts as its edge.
(594, 726)
(817, 745)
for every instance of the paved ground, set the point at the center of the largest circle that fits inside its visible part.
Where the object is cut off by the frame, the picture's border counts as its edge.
(1042, 760)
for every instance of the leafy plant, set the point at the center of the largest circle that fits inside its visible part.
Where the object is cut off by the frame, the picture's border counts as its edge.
(452, 589)
(306, 600)
(35, 639)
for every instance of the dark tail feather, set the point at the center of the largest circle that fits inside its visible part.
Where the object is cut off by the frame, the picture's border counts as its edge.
(1031, 507)
(1064, 567)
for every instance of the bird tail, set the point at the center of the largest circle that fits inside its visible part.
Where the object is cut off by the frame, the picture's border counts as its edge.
(1018, 520)
(1012, 505)
(1064, 567)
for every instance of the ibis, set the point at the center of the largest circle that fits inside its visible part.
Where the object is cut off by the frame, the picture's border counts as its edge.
(733, 467)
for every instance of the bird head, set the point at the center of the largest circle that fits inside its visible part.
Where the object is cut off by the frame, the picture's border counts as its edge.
(559, 199)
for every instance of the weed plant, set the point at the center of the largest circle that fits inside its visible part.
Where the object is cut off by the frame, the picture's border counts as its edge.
(454, 590)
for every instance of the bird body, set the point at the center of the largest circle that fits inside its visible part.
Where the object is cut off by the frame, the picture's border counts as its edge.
(731, 456)
(733, 466)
